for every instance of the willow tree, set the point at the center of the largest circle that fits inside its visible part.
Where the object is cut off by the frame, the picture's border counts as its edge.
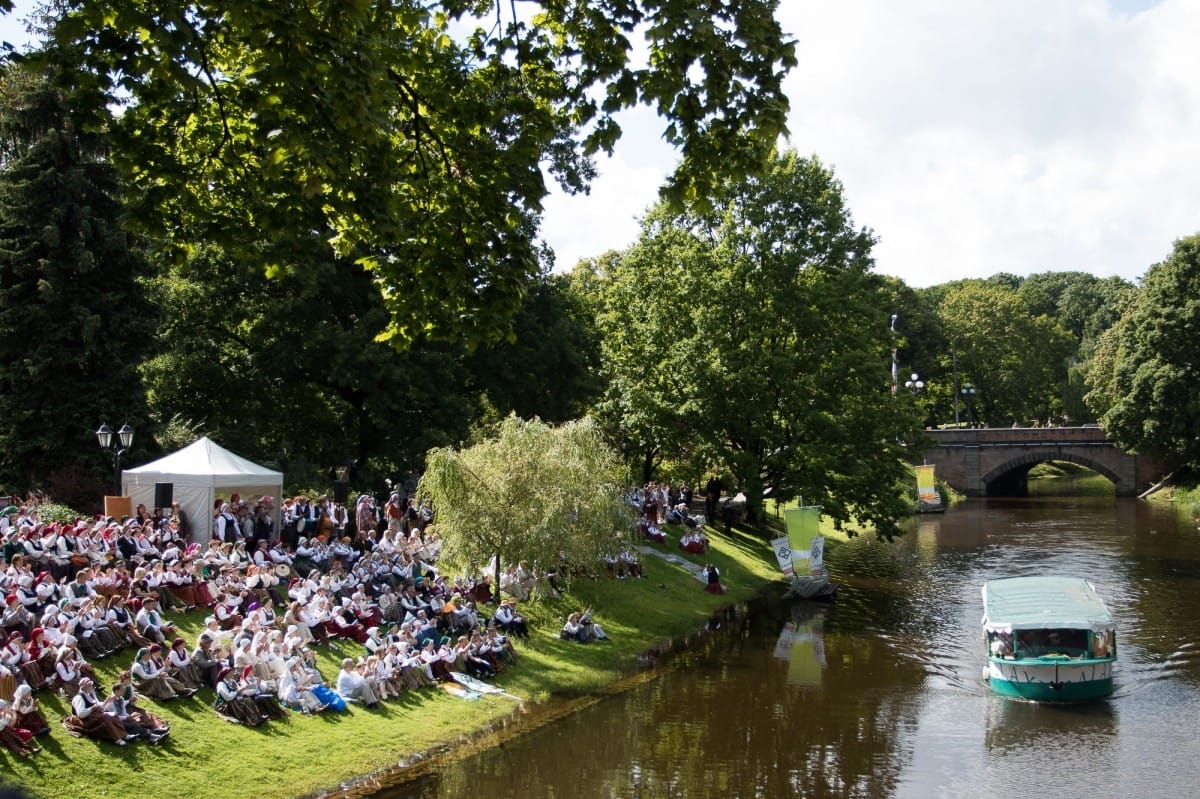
(548, 495)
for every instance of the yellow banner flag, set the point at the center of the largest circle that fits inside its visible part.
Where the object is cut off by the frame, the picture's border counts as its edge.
(927, 485)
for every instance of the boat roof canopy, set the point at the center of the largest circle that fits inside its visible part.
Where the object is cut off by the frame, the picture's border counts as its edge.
(1040, 603)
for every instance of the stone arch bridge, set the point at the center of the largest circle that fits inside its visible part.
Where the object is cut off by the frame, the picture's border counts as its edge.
(979, 462)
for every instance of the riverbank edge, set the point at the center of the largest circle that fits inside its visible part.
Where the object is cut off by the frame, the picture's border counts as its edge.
(634, 669)
(523, 720)
(749, 571)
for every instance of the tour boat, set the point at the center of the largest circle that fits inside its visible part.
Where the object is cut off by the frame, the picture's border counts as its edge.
(1049, 639)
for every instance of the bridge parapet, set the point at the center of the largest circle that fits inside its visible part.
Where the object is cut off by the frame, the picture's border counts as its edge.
(1014, 435)
(970, 460)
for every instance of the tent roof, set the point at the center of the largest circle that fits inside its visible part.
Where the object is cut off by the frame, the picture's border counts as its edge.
(204, 457)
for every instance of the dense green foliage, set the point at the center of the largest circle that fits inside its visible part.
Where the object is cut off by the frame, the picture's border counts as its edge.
(753, 335)
(73, 321)
(1145, 377)
(414, 132)
(1016, 361)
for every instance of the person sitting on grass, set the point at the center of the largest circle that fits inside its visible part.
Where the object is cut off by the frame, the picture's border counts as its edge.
(712, 579)
(182, 666)
(153, 680)
(95, 718)
(70, 668)
(580, 627)
(13, 734)
(354, 687)
(151, 624)
(693, 542)
(29, 716)
(508, 620)
(232, 704)
(296, 690)
(136, 721)
(261, 694)
(652, 531)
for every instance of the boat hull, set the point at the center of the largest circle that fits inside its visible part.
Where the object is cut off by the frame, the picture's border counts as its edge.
(1038, 680)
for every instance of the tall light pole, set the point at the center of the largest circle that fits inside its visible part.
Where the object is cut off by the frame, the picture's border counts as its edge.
(968, 392)
(895, 369)
(117, 447)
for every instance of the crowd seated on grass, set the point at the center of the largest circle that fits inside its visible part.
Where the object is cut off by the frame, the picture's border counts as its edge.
(378, 597)
(364, 582)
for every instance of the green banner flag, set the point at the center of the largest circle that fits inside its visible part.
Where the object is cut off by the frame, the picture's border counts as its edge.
(803, 525)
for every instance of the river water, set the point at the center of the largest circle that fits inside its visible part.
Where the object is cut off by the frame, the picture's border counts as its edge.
(880, 694)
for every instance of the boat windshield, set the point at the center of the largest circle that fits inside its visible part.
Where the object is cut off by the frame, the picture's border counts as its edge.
(1067, 642)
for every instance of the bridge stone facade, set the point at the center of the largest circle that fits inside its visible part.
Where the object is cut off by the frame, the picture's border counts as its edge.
(972, 461)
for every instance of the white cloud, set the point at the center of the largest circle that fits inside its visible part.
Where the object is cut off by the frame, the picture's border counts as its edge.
(977, 137)
(586, 226)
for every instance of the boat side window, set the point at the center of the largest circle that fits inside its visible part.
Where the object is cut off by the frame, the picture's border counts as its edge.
(1000, 644)
(1101, 643)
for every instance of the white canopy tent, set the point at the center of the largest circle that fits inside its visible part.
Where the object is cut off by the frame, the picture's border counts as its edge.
(199, 473)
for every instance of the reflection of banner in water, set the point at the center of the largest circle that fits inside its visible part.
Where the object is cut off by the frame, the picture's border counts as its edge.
(803, 526)
(783, 647)
(783, 554)
(927, 485)
(803, 647)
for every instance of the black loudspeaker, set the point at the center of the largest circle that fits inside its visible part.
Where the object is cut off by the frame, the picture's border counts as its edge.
(341, 491)
(164, 494)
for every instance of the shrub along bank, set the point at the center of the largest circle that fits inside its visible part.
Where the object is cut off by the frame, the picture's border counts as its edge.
(207, 756)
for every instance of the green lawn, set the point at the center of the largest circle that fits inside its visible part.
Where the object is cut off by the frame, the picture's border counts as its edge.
(206, 756)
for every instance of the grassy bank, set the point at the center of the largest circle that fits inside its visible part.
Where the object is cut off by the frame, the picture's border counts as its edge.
(206, 756)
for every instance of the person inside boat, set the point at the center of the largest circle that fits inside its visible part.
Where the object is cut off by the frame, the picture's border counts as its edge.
(1001, 645)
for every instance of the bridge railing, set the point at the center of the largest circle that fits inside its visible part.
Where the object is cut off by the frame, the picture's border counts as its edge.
(1018, 435)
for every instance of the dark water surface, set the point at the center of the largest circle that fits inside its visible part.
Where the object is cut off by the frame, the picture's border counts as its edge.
(880, 694)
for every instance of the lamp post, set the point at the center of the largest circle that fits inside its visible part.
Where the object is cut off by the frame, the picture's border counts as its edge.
(895, 369)
(915, 384)
(968, 392)
(118, 447)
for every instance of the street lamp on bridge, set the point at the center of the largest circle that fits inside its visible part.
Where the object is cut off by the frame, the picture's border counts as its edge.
(915, 384)
(968, 392)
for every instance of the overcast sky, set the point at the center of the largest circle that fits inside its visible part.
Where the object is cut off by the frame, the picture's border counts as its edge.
(973, 137)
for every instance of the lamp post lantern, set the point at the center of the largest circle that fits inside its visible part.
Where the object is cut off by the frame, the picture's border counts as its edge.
(117, 447)
(968, 392)
(915, 384)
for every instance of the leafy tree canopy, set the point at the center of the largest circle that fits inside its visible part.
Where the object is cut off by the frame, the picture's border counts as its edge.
(759, 330)
(1144, 378)
(1016, 361)
(415, 131)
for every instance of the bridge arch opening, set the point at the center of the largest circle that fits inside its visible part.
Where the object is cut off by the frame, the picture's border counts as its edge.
(1011, 478)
